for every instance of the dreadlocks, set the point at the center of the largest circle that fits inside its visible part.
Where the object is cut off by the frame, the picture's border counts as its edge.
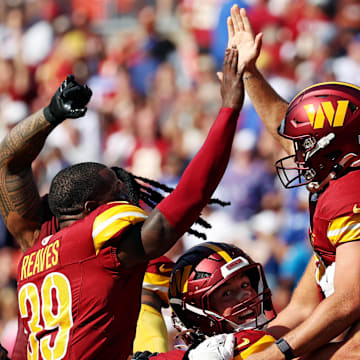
(140, 188)
(70, 189)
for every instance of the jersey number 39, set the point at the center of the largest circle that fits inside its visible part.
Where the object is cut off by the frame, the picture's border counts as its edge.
(48, 312)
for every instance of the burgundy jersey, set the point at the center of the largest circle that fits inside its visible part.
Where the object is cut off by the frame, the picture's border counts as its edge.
(335, 221)
(247, 342)
(76, 301)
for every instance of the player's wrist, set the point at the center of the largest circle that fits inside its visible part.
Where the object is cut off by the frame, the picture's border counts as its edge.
(231, 105)
(51, 117)
(284, 347)
(250, 72)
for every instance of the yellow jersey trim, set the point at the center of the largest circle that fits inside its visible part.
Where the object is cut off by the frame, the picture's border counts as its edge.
(114, 219)
(258, 346)
(344, 229)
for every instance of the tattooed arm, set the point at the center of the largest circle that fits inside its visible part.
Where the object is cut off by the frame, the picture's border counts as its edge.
(20, 204)
(19, 196)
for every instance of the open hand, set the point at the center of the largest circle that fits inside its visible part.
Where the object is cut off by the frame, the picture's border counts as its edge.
(232, 86)
(241, 35)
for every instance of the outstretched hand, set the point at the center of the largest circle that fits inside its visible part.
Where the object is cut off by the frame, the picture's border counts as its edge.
(232, 86)
(241, 36)
(69, 101)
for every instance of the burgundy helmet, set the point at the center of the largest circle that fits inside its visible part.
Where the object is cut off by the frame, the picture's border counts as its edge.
(323, 121)
(202, 270)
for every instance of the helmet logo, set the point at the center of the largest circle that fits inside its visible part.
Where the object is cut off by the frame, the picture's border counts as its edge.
(233, 266)
(326, 109)
(180, 281)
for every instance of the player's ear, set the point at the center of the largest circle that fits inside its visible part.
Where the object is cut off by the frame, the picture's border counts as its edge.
(90, 205)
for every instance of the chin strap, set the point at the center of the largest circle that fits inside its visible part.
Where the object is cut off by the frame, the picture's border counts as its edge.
(349, 160)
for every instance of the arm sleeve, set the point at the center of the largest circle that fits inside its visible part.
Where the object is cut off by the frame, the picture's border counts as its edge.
(183, 206)
(151, 332)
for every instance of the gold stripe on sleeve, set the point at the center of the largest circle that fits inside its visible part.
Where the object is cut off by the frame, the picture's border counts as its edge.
(114, 219)
(344, 229)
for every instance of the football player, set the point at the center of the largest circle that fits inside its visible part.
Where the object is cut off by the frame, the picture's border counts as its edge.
(79, 281)
(320, 130)
(151, 332)
(217, 289)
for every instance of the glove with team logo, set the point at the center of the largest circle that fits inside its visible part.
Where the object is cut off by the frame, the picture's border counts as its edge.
(69, 101)
(218, 347)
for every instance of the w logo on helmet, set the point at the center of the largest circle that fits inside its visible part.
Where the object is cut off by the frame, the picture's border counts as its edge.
(179, 281)
(334, 117)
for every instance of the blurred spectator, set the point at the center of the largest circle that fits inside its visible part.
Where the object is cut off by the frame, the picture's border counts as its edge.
(347, 67)
(148, 156)
(8, 324)
(220, 35)
(246, 179)
(11, 113)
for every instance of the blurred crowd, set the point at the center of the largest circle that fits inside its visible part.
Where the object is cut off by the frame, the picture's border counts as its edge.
(152, 67)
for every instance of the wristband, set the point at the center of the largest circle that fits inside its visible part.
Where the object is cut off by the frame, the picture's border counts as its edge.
(285, 348)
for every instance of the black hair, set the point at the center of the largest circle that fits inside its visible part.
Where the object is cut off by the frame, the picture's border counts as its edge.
(73, 186)
(76, 184)
(140, 188)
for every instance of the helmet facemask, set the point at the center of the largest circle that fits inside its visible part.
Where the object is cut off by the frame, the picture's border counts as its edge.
(297, 170)
(323, 123)
(251, 312)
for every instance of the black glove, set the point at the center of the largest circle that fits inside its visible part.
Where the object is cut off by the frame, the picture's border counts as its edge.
(69, 101)
(145, 355)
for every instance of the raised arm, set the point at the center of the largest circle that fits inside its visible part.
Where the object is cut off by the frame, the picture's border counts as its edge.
(177, 212)
(20, 203)
(269, 105)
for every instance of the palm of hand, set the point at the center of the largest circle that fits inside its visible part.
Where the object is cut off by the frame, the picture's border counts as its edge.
(245, 44)
(241, 36)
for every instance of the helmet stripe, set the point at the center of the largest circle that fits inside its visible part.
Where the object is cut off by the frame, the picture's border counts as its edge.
(220, 251)
(185, 276)
(325, 83)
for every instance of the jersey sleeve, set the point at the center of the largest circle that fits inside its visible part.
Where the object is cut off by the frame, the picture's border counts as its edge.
(113, 219)
(249, 342)
(157, 277)
(344, 229)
